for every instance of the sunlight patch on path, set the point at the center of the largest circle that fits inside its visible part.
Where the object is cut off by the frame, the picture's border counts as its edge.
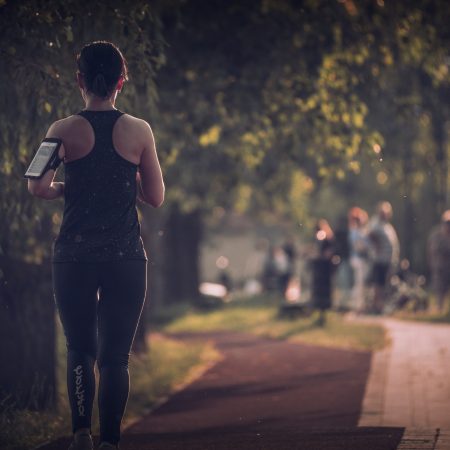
(409, 382)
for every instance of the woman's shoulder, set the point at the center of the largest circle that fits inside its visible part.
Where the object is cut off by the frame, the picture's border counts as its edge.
(68, 122)
(131, 125)
(65, 125)
(133, 121)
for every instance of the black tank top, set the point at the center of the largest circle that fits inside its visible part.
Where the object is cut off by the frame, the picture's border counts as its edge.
(100, 221)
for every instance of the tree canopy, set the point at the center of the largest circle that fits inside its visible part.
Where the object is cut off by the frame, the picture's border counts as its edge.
(269, 100)
(258, 103)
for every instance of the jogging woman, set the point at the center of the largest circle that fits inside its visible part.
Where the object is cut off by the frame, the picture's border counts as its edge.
(99, 263)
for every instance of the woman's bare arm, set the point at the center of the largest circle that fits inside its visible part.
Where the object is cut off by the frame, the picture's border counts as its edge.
(150, 180)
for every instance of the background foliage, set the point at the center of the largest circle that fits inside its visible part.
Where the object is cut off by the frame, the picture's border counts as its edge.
(280, 109)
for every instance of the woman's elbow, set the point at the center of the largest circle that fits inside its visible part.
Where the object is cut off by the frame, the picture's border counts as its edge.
(155, 199)
(157, 203)
(158, 200)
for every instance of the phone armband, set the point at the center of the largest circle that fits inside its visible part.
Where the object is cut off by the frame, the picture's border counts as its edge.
(46, 158)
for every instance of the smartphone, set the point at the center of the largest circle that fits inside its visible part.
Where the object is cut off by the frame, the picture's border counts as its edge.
(45, 158)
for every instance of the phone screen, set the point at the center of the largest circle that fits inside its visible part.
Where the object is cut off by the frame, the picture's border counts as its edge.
(41, 159)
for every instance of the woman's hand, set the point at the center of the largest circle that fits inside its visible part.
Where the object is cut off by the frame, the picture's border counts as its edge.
(45, 187)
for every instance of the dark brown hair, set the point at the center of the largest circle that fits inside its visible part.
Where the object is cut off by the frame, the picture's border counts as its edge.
(102, 65)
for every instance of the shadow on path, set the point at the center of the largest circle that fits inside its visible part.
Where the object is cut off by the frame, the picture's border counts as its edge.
(266, 394)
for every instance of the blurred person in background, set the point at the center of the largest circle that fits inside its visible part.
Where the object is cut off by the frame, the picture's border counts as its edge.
(254, 268)
(344, 273)
(290, 250)
(439, 259)
(384, 252)
(322, 268)
(324, 239)
(276, 270)
(282, 268)
(359, 256)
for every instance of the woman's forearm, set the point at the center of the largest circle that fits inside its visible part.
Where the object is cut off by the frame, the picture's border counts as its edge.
(54, 191)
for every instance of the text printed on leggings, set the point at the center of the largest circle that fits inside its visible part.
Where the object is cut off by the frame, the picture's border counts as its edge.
(79, 391)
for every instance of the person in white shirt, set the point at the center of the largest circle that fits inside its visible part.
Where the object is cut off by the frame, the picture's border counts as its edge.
(385, 252)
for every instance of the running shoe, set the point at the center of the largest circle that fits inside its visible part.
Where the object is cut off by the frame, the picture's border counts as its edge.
(108, 446)
(82, 441)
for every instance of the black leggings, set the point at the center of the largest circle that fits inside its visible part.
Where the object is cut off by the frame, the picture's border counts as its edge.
(99, 305)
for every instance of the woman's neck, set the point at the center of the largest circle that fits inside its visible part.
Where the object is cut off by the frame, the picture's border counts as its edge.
(98, 104)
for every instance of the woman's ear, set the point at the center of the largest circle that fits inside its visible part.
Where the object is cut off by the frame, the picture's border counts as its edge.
(119, 84)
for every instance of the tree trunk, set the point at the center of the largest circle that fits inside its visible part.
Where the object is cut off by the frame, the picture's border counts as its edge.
(408, 226)
(152, 235)
(27, 334)
(439, 135)
(183, 234)
(172, 241)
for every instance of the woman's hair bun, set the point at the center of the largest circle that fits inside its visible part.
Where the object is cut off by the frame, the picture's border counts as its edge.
(99, 86)
(102, 65)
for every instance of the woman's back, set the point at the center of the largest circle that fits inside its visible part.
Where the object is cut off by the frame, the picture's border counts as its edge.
(79, 137)
(100, 222)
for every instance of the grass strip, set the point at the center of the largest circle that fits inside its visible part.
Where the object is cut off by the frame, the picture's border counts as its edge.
(154, 375)
(432, 314)
(261, 316)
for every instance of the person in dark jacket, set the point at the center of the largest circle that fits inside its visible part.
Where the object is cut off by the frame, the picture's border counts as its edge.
(439, 259)
(344, 273)
(322, 268)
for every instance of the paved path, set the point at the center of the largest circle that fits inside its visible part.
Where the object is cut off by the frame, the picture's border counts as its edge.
(269, 394)
(409, 383)
(265, 382)
(266, 394)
